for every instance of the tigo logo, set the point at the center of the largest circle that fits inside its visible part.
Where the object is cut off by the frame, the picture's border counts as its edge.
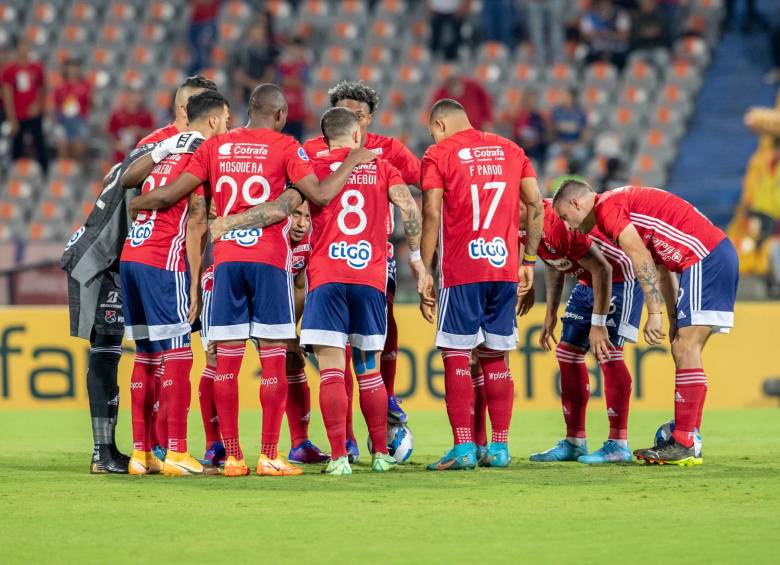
(357, 255)
(335, 165)
(245, 238)
(494, 251)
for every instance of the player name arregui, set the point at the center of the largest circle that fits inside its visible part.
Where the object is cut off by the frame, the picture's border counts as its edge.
(250, 167)
(362, 179)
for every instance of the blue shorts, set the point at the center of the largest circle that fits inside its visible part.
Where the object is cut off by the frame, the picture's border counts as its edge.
(708, 290)
(251, 300)
(625, 311)
(156, 301)
(476, 313)
(337, 312)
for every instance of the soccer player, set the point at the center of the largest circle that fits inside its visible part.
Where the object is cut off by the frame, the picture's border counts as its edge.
(680, 258)
(472, 185)
(602, 312)
(364, 100)
(160, 275)
(253, 294)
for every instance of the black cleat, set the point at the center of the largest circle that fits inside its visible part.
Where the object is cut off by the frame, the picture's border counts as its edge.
(108, 459)
(672, 453)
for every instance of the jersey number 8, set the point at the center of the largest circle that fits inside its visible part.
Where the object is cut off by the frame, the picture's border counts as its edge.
(348, 208)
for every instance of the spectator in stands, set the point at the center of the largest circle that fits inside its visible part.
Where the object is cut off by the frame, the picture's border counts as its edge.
(499, 19)
(72, 101)
(253, 60)
(472, 96)
(293, 75)
(529, 128)
(128, 123)
(649, 27)
(24, 95)
(546, 23)
(569, 130)
(203, 33)
(606, 30)
(446, 18)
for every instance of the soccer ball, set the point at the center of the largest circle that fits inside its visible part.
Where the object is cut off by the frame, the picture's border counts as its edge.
(663, 436)
(400, 443)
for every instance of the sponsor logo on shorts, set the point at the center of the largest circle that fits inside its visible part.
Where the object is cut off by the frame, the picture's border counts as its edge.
(245, 238)
(572, 316)
(357, 255)
(139, 233)
(75, 237)
(494, 251)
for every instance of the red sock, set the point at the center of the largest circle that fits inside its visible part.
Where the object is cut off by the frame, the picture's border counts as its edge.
(458, 393)
(273, 396)
(387, 361)
(617, 391)
(142, 399)
(499, 392)
(349, 386)
(333, 405)
(690, 389)
(575, 388)
(159, 422)
(229, 359)
(298, 407)
(373, 404)
(178, 364)
(208, 410)
(480, 405)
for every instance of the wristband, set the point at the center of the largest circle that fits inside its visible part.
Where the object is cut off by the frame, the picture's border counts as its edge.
(598, 320)
(160, 152)
(529, 260)
(415, 255)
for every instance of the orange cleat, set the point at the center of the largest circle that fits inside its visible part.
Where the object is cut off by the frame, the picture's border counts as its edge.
(235, 467)
(278, 467)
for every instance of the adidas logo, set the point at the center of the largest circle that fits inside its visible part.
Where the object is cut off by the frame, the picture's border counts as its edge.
(611, 323)
(681, 315)
(611, 412)
(678, 397)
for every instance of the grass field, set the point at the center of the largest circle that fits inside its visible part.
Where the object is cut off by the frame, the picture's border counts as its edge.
(727, 510)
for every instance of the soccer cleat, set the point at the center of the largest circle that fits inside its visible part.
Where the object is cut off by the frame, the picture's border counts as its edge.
(498, 454)
(144, 463)
(214, 455)
(108, 460)
(307, 452)
(482, 456)
(462, 456)
(382, 462)
(235, 467)
(338, 467)
(180, 464)
(278, 467)
(395, 414)
(610, 452)
(672, 453)
(563, 451)
(353, 453)
(159, 452)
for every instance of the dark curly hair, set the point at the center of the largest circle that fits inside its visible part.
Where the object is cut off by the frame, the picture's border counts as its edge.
(350, 90)
(198, 81)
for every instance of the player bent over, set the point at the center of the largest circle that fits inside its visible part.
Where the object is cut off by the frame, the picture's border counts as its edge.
(602, 312)
(253, 290)
(696, 276)
(472, 185)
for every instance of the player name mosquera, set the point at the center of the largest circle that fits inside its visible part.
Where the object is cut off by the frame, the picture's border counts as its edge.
(249, 167)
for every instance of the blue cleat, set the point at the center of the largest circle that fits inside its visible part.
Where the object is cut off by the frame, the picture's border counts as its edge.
(498, 454)
(353, 453)
(563, 451)
(214, 455)
(462, 456)
(610, 452)
(482, 456)
(307, 452)
(395, 414)
(159, 452)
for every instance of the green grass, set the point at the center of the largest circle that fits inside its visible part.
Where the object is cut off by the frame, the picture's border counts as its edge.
(727, 510)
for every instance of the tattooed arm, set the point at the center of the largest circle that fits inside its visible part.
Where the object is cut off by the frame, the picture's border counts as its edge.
(195, 243)
(258, 216)
(534, 220)
(180, 187)
(410, 214)
(647, 276)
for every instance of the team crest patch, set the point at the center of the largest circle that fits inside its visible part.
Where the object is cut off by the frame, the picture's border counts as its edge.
(302, 154)
(110, 316)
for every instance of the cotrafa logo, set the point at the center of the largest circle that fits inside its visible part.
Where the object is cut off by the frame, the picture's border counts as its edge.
(481, 153)
(357, 255)
(494, 251)
(243, 149)
(139, 232)
(245, 238)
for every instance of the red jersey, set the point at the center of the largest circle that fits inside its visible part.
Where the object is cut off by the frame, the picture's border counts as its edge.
(72, 98)
(349, 234)
(301, 253)
(26, 83)
(246, 167)
(675, 232)
(157, 238)
(159, 134)
(562, 249)
(480, 174)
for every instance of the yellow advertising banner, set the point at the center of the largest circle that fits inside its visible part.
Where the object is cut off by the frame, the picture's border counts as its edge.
(42, 366)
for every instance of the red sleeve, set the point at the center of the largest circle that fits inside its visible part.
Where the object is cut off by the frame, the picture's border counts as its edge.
(612, 215)
(393, 175)
(298, 164)
(198, 165)
(406, 162)
(431, 176)
(527, 168)
(579, 244)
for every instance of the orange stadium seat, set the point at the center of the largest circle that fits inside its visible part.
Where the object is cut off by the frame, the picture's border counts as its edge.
(488, 73)
(317, 99)
(383, 31)
(37, 231)
(133, 77)
(9, 211)
(163, 98)
(44, 13)
(445, 71)
(594, 97)
(337, 55)
(377, 55)
(633, 94)
(409, 74)
(395, 98)
(370, 74)
(82, 12)
(7, 13)
(418, 54)
(216, 74)
(523, 73)
(326, 74)
(153, 33)
(37, 35)
(391, 8)
(65, 169)
(218, 55)
(562, 74)
(345, 31)
(421, 30)
(19, 189)
(229, 31)
(74, 34)
(601, 72)
(493, 52)
(112, 35)
(279, 9)
(162, 11)
(552, 96)
(142, 55)
(237, 10)
(315, 9)
(25, 169)
(122, 12)
(171, 77)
